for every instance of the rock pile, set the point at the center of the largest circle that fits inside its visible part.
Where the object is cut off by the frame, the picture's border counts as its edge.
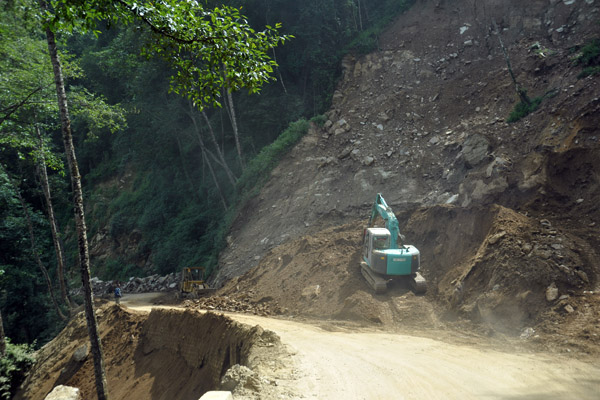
(226, 303)
(152, 283)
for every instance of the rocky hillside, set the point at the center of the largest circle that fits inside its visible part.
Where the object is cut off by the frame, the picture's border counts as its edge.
(499, 211)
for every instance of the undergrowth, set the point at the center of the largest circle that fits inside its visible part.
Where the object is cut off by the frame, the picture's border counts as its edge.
(522, 109)
(368, 40)
(13, 367)
(589, 58)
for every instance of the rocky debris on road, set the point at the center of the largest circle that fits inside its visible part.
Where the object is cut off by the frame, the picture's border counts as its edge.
(240, 377)
(242, 305)
(152, 283)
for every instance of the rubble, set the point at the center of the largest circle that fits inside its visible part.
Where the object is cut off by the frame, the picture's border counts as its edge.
(152, 283)
(240, 304)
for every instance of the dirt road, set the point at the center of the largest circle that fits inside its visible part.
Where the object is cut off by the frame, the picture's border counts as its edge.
(378, 365)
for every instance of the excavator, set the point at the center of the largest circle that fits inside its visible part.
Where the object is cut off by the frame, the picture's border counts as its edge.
(383, 257)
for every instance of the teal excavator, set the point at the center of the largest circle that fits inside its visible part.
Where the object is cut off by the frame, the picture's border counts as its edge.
(383, 257)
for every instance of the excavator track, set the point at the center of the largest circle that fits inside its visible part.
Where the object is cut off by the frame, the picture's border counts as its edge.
(377, 283)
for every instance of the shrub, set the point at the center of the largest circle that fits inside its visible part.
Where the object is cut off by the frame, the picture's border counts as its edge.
(319, 119)
(589, 59)
(590, 53)
(589, 71)
(13, 367)
(522, 109)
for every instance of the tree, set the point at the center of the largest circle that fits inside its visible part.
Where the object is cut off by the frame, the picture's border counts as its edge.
(58, 248)
(521, 92)
(198, 43)
(35, 252)
(2, 337)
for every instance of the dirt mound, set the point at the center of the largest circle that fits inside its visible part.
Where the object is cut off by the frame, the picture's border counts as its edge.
(318, 276)
(494, 264)
(171, 354)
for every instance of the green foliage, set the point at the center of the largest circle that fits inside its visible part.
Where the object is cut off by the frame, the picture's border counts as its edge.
(207, 49)
(521, 109)
(13, 367)
(589, 58)
(255, 175)
(24, 298)
(319, 119)
(589, 54)
(589, 71)
(117, 268)
(367, 40)
(257, 172)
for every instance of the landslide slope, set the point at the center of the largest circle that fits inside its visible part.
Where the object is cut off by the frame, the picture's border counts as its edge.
(502, 213)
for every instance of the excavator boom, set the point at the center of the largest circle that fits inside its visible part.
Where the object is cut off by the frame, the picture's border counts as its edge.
(381, 209)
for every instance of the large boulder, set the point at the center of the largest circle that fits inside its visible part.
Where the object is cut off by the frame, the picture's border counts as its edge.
(64, 393)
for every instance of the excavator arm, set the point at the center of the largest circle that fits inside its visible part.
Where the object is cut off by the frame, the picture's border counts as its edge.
(381, 209)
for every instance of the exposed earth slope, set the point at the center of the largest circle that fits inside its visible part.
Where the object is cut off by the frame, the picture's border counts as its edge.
(505, 215)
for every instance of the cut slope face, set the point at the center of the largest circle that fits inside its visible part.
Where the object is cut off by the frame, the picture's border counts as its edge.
(168, 354)
(423, 122)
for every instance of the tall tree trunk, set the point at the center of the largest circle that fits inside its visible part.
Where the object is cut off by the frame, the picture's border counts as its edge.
(521, 92)
(213, 138)
(236, 134)
(206, 160)
(2, 338)
(84, 256)
(60, 270)
(215, 180)
(359, 16)
(36, 254)
(279, 72)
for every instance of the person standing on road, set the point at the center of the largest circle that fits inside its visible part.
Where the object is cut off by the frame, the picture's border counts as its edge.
(118, 293)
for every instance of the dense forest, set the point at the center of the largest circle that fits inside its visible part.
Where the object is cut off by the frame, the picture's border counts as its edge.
(163, 176)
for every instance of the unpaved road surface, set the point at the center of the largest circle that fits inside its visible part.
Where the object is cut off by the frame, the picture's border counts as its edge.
(366, 364)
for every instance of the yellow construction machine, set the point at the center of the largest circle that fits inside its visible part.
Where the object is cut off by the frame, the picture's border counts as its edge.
(193, 282)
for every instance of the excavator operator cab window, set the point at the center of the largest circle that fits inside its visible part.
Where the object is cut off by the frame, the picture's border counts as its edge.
(381, 242)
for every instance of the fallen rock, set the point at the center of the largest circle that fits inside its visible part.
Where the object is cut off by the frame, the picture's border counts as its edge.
(583, 276)
(311, 292)
(527, 333)
(475, 150)
(81, 353)
(496, 237)
(64, 393)
(569, 309)
(240, 377)
(552, 292)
